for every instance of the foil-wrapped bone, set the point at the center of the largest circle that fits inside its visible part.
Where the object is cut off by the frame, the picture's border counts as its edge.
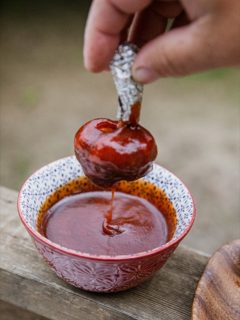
(128, 90)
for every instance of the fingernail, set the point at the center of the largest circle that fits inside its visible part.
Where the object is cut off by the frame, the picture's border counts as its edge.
(144, 75)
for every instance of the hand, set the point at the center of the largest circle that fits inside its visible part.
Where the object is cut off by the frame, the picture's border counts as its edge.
(205, 34)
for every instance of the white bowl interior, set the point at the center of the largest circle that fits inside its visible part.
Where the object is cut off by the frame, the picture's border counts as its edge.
(54, 175)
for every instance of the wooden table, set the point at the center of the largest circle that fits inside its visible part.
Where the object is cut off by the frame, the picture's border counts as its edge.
(28, 283)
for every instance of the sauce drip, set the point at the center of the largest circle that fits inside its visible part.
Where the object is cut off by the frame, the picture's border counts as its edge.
(107, 226)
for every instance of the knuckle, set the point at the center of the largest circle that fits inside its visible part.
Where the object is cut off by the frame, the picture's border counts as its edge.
(168, 65)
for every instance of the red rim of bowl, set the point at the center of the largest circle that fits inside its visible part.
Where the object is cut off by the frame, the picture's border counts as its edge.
(104, 258)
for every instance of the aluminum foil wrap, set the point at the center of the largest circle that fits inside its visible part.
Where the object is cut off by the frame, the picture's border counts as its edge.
(129, 92)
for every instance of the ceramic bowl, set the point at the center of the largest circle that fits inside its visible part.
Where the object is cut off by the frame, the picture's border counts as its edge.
(93, 272)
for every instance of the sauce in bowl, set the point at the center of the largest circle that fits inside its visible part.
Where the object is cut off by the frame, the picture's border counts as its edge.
(79, 216)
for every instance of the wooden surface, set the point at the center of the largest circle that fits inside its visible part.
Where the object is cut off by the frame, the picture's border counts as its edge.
(27, 282)
(12, 312)
(218, 292)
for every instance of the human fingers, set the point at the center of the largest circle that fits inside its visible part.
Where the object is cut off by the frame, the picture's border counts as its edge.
(209, 41)
(146, 26)
(107, 19)
(152, 21)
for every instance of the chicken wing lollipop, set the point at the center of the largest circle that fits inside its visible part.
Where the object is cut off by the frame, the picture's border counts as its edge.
(108, 150)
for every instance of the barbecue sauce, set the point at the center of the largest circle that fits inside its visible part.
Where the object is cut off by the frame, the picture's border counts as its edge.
(82, 217)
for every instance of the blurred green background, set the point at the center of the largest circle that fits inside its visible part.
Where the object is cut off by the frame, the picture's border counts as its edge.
(46, 95)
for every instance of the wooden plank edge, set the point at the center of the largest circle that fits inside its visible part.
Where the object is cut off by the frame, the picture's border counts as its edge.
(52, 302)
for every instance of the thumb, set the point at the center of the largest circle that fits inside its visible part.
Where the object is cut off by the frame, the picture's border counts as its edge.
(178, 52)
